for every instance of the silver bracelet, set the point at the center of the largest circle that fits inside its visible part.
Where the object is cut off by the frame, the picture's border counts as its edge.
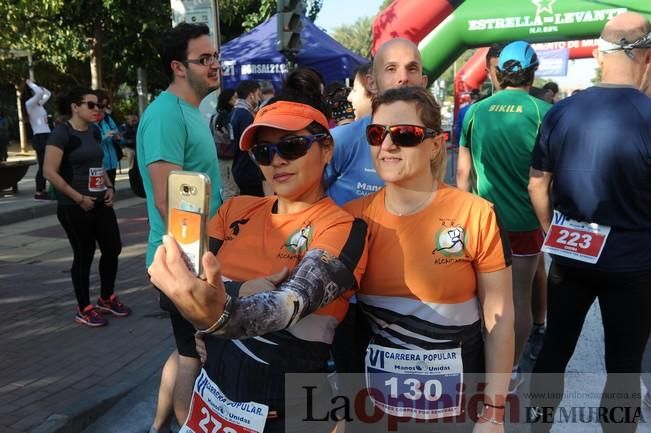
(223, 319)
(491, 420)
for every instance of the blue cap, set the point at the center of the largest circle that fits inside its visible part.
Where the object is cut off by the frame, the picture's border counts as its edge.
(517, 56)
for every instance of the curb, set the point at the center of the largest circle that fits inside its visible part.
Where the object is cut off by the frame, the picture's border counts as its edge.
(41, 208)
(88, 410)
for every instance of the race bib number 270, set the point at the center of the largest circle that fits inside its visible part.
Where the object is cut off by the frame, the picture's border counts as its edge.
(576, 240)
(212, 412)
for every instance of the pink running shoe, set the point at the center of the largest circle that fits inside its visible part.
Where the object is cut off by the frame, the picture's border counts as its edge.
(113, 306)
(90, 317)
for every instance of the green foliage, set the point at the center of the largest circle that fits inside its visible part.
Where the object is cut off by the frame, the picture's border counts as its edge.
(239, 16)
(64, 35)
(356, 37)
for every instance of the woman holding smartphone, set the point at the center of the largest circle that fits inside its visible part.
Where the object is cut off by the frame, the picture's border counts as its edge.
(253, 341)
(84, 192)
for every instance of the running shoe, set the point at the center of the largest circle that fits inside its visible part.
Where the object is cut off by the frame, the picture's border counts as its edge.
(517, 377)
(90, 317)
(536, 341)
(113, 305)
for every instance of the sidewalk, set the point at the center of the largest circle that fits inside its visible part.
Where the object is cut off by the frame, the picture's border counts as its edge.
(56, 375)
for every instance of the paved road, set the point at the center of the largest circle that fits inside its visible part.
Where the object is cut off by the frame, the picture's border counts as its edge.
(54, 373)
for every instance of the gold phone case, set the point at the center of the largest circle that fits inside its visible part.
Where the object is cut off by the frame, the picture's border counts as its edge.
(188, 207)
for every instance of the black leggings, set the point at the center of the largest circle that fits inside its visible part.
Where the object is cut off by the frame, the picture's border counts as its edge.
(84, 229)
(38, 143)
(625, 303)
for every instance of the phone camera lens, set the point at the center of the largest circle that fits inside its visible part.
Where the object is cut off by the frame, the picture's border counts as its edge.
(185, 189)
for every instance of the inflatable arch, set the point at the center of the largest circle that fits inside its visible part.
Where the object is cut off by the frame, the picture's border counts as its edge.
(473, 73)
(456, 25)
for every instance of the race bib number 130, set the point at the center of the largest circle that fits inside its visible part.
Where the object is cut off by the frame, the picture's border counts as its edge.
(421, 384)
(575, 239)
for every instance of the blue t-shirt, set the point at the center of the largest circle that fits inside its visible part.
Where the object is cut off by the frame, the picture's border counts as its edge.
(171, 130)
(110, 161)
(351, 174)
(597, 145)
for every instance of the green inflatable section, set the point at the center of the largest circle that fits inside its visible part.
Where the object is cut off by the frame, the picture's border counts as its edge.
(477, 23)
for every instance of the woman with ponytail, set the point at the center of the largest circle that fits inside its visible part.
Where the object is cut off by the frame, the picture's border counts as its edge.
(84, 193)
(317, 251)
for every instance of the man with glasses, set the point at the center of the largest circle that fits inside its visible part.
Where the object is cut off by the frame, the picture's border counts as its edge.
(173, 135)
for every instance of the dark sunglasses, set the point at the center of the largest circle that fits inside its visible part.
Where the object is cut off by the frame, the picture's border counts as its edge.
(91, 105)
(401, 135)
(288, 149)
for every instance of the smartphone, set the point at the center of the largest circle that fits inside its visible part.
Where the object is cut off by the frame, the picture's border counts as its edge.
(188, 208)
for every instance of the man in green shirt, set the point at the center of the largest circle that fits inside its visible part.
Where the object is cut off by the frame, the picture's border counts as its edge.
(173, 135)
(497, 139)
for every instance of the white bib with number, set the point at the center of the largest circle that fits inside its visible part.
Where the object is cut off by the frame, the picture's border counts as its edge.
(576, 240)
(421, 384)
(96, 179)
(212, 412)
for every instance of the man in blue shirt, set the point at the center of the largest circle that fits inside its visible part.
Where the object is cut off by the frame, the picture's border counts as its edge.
(590, 166)
(351, 174)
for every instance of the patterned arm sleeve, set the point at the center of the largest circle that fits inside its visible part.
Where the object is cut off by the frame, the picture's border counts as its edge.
(319, 279)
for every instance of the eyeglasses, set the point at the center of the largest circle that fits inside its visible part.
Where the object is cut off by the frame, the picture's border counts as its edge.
(205, 59)
(92, 105)
(289, 149)
(401, 135)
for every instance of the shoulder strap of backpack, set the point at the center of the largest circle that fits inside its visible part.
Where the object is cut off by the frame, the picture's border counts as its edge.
(213, 122)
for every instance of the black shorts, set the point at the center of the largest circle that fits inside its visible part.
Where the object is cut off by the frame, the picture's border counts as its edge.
(182, 329)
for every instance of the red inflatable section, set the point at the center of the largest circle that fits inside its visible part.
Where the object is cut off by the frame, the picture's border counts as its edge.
(409, 19)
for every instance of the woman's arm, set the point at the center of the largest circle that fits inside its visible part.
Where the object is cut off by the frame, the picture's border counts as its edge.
(36, 97)
(496, 299)
(110, 190)
(318, 280)
(51, 164)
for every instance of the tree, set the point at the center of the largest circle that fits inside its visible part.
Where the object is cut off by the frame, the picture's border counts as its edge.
(239, 16)
(356, 37)
(111, 37)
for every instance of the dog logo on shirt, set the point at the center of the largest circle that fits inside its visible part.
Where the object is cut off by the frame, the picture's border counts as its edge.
(451, 241)
(300, 240)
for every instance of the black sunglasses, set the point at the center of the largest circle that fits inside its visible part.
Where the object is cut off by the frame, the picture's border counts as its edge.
(401, 135)
(91, 105)
(288, 149)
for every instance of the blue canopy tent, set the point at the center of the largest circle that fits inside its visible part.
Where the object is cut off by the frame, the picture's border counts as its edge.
(254, 56)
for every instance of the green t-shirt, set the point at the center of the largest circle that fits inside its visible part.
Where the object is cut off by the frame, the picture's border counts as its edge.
(174, 131)
(500, 132)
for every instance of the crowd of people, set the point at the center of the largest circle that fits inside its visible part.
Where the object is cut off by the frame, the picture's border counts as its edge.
(333, 239)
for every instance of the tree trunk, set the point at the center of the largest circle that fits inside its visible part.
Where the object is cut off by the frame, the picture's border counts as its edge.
(96, 57)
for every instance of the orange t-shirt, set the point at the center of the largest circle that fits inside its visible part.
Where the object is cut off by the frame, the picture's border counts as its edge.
(258, 242)
(422, 267)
